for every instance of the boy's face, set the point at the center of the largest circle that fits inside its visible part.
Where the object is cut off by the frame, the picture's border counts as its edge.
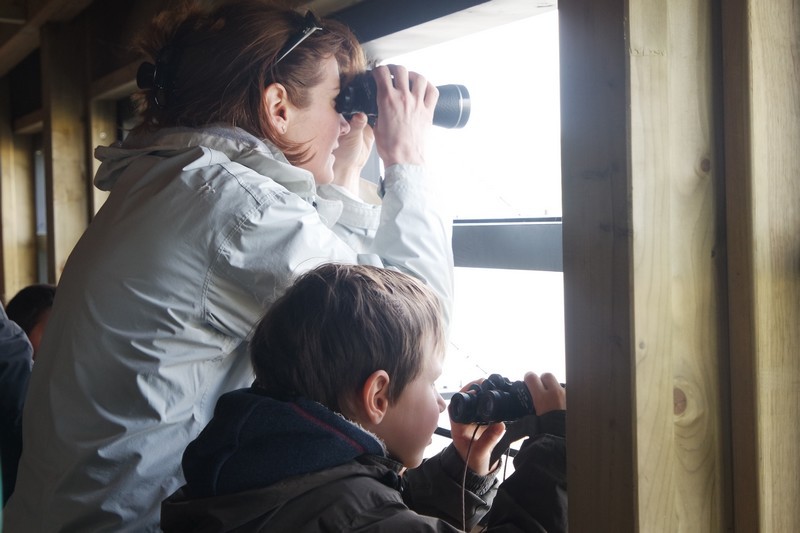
(409, 424)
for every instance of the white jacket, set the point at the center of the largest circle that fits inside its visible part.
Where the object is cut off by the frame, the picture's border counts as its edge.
(361, 215)
(202, 231)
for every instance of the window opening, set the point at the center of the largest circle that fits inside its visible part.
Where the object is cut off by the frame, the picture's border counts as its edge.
(501, 175)
(40, 208)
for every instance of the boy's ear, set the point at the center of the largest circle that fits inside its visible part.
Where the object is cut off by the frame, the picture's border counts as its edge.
(276, 104)
(375, 397)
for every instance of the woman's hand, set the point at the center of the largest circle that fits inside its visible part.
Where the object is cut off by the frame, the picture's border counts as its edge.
(406, 102)
(352, 153)
(486, 439)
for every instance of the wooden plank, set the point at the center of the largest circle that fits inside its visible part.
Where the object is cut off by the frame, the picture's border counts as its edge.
(761, 150)
(601, 455)
(26, 39)
(18, 265)
(650, 174)
(119, 84)
(681, 437)
(64, 96)
(30, 123)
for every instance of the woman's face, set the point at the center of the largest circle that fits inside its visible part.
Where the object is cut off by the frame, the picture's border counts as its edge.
(318, 126)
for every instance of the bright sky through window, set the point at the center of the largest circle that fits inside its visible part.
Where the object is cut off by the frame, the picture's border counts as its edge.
(505, 162)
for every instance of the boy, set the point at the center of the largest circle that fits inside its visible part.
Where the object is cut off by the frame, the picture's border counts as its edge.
(344, 401)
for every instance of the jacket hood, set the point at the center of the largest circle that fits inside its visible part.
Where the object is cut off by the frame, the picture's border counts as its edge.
(199, 147)
(255, 441)
(235, 143)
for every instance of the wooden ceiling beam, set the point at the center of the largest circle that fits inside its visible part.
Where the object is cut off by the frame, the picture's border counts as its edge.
(26, 39)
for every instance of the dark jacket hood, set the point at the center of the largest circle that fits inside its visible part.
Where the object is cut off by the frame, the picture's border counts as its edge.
(255, 441)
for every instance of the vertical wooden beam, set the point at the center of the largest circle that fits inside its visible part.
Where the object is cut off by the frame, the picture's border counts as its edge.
(651, 203)
(681, 432)
(18, 265)
(644, 268)
(762, 108)
(601, 455)
(64, 103)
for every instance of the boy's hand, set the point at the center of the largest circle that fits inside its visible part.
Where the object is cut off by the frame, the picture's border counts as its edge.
(487, 437)
(547, 393)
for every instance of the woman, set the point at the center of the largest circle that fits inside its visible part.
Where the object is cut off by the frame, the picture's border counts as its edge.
(212, 213)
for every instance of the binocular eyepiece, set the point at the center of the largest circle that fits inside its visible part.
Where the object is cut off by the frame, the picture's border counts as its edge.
(495, 400)
(359, 96)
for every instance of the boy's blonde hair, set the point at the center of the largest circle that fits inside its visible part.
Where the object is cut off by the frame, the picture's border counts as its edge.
(338, 324)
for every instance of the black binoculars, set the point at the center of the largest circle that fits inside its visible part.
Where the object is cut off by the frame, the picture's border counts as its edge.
(495, 400)
(452, 108)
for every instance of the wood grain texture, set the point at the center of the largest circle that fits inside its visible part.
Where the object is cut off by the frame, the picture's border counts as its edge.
(679, 416)
(16, 202)
(597, 267)
(774, 28)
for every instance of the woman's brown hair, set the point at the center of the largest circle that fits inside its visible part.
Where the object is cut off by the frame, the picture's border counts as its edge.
(216, 63)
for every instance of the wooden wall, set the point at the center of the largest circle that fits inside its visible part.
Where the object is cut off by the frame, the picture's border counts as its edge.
(681, 177)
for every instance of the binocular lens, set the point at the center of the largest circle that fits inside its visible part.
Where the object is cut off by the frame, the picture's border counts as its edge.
(462, 407)
(452, 109)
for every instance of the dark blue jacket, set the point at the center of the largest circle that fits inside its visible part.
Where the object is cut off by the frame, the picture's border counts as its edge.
(16, 358)
(266, 465)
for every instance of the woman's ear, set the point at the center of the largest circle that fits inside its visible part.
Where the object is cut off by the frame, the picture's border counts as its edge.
(375, 397)
(276, 103)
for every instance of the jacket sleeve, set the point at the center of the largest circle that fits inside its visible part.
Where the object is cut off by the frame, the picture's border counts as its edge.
(534, 498)
(413, 235)
(283, 236)
(435, 489)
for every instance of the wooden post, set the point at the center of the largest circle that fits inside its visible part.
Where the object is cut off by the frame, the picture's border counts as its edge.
(598, 254)
(64, 103)
(762, 136)
(18, 265)
(644, 268)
